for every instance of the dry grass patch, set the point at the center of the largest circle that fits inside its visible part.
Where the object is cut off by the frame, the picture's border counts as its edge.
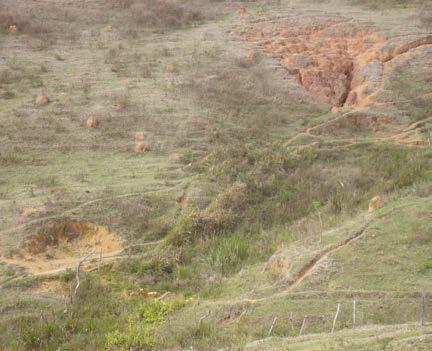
(164, 14)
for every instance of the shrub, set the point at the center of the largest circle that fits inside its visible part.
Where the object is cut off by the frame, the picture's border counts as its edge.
(140, 331)
(201, 224)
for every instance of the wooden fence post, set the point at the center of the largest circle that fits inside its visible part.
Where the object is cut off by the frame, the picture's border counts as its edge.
(423, 309)
(272, 326)
(354, 313)
(335, 317)
(303, 326)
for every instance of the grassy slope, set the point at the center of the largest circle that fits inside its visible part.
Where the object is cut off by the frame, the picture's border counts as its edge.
(400, 337)
(207, 136)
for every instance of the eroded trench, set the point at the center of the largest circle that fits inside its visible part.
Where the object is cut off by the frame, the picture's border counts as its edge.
(59, 245)
(340, 64)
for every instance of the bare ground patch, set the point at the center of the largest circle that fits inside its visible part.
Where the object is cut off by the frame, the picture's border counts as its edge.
(62, 244)
(339, 62)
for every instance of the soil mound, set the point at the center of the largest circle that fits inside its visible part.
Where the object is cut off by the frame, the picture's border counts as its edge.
(140, 148)
(376, 203)
(139, 136)
(41, 100)
(13, 29)
(92, 122)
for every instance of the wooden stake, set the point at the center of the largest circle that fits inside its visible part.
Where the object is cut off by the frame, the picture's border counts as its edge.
(354, 313)
(335, 317)
(272, 326)
(423, 309)
(303, 326)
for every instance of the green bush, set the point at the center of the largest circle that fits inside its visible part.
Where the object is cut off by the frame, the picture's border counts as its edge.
(140, 331)
(201, 224)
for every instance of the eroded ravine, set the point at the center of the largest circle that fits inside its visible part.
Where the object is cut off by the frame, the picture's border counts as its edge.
(335, 61)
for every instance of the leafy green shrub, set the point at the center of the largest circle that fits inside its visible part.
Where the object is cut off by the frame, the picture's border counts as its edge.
(139, 333)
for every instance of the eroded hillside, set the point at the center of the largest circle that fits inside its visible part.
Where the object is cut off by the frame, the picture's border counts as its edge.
(215, 175)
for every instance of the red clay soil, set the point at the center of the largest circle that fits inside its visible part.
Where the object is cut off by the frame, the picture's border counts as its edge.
(325, 59)
(337, 61)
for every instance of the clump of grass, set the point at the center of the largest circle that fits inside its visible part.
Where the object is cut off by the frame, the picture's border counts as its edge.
(219, 217)
(228, 253)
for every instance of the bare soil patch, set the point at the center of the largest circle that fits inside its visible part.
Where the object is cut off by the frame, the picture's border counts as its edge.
(325, 56)
(337, 61)
(62, 244)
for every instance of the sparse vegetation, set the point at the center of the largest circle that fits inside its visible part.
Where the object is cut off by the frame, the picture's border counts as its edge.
(237, 202)
(163, 14)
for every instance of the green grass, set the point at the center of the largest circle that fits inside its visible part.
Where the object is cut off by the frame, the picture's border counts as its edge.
(231, 179)
(373, 338)
(384, 4)
(398, 245)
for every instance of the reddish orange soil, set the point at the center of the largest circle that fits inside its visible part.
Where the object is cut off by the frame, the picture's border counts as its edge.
(62, 244)
(328, 61)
